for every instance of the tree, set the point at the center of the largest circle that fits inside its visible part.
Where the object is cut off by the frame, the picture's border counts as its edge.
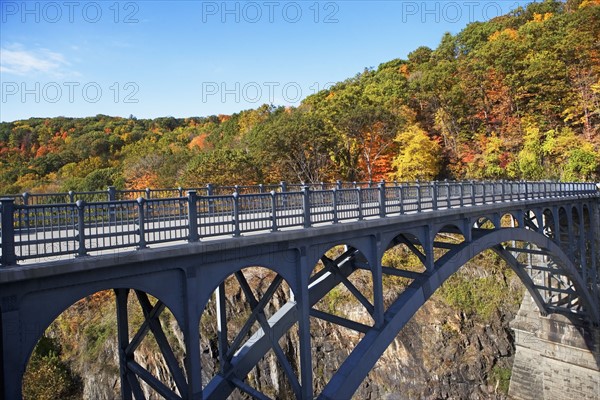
(221, 167)
(294, 145)
(419, 156)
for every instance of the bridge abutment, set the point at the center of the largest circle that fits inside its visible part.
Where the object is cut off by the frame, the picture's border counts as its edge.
(555, 358)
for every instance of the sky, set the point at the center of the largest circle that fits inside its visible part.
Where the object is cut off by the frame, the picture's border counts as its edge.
(154, 59)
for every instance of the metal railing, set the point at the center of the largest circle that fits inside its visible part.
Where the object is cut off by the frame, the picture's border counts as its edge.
(77, 224)
(112, 194)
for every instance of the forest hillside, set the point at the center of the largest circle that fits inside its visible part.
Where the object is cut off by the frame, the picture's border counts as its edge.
(517, 97)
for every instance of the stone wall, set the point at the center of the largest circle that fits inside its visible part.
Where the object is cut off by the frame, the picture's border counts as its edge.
(555, 358)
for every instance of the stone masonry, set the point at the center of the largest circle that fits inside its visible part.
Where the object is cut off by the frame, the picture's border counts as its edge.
(555, 359)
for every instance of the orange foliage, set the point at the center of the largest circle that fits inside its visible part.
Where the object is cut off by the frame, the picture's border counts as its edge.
(404, 70)
(198, 141)
(144, 180)
(42, 151)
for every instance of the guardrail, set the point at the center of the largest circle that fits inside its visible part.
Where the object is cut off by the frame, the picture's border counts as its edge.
(82, 227)
(112, 194)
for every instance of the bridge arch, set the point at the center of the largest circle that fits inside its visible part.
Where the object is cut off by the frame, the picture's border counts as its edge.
(455, 259)
(316, 252)
(375, 342)
(242, 312)
(49, 313)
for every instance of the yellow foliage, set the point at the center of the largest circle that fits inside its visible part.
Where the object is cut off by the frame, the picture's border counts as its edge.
(542, 17)
(419, 156)
(586, 3)
(508, 32)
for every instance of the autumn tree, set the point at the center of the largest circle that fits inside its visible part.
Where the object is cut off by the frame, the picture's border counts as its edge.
(419, 156)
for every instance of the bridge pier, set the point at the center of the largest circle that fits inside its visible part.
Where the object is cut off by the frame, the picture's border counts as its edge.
(555, 358)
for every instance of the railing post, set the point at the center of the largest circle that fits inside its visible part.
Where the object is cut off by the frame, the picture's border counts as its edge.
(283, 185)
(261, 188)
(112, 196)
(461, 189)
(71, 196)
(360, 208)
(484, 185)
(418, 196)
(400, 197)
(193, 216)
(142, 222)
(434, 195)
(503, 193)
(82, 251)
(236, 213)
(381, 186)
(335, 206)
(8, 256)
(211, 202)
(26, 213)
(112, 193)
(148, 194)
(274, 211)
(338, 184)
(448, 197)
(306, 205)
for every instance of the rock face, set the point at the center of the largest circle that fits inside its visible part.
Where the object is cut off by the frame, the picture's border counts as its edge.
(439, 355)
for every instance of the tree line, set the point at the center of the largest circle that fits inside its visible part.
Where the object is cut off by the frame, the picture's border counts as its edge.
(516, 97)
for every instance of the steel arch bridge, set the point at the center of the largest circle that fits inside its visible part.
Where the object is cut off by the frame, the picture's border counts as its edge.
(547, 234)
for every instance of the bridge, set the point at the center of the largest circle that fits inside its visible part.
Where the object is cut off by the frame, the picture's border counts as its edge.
(182, 250)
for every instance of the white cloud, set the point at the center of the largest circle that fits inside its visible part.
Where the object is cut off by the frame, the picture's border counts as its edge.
(18, 61)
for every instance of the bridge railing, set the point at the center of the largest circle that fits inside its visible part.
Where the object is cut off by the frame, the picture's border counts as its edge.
(62, 226)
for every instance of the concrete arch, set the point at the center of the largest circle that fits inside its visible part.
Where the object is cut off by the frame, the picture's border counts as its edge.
(375, 342)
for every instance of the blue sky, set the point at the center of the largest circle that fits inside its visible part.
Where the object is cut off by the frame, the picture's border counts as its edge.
(197, 58)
